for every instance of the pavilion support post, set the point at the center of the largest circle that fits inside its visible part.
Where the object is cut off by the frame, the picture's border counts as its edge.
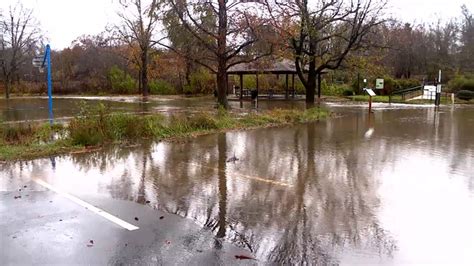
(241, 87)
(287, 87)
(293, 85)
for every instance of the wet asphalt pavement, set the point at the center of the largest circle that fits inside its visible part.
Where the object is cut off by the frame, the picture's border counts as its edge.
(42, 228)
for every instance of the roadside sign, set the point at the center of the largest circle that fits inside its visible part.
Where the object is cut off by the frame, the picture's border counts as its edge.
(38, 61)
(370, 92)
(379, 84)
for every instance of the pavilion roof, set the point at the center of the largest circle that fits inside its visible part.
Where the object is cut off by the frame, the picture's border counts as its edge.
(273, 66)
(277, 66)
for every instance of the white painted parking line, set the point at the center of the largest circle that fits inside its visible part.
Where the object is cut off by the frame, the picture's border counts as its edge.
(90, 207)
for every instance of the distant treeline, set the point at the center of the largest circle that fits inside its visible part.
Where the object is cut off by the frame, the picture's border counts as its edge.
(402, 53)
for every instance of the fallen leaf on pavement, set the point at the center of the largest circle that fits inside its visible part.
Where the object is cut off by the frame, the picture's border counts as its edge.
(243, 257)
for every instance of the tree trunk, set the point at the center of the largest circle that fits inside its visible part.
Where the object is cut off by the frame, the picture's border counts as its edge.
(188, 70)
(144, 72)
(319, 86)
(222, 85)
(311, 82)
(6, 81)
(7, 90)
(310, 89)
(222, 56)
(140, 87)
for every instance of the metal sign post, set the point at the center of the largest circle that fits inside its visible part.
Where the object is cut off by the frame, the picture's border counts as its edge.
(438, 90)
(40, 62)
(50, 83)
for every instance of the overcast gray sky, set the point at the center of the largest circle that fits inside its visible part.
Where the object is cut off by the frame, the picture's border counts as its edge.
(63, 21)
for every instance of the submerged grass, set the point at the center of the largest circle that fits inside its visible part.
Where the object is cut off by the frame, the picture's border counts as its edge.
(97, 126)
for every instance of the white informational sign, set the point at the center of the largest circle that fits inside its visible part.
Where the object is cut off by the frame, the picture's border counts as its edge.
(429, 92)
(379, 84)
(370, 92)
(37, 61)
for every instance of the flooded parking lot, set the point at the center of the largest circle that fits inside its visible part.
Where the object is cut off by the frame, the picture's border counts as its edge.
(394, 187)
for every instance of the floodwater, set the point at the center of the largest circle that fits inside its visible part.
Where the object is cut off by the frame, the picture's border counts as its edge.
(27, 109)
(36, 108)
(396, 187)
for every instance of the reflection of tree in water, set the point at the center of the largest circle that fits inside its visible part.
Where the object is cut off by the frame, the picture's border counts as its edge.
(103, 159)
(333, 208)
(297, 244)
(330, 207)
(141, 196)
(329, 211)
(440, 135)
(222, 185)
(22, 171)
(130, 183)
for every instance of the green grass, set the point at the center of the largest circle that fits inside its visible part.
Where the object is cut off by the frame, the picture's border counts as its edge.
(95, 127)
(35, 150)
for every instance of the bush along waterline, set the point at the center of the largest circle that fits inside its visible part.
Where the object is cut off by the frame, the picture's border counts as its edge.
(96, 126)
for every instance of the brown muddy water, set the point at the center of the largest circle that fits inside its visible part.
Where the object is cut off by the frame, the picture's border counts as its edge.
(36, 108)
(27, 109)
(396, 187)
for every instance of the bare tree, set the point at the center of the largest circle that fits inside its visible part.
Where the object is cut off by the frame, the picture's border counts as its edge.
(20, 35)
(182, 41)
(223, 40)
(408, 49)
(138, 28)
(322, 34)
(467, 40)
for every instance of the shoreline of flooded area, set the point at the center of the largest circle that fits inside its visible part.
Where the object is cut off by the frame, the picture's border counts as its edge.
(393, 187)
(35, 109)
